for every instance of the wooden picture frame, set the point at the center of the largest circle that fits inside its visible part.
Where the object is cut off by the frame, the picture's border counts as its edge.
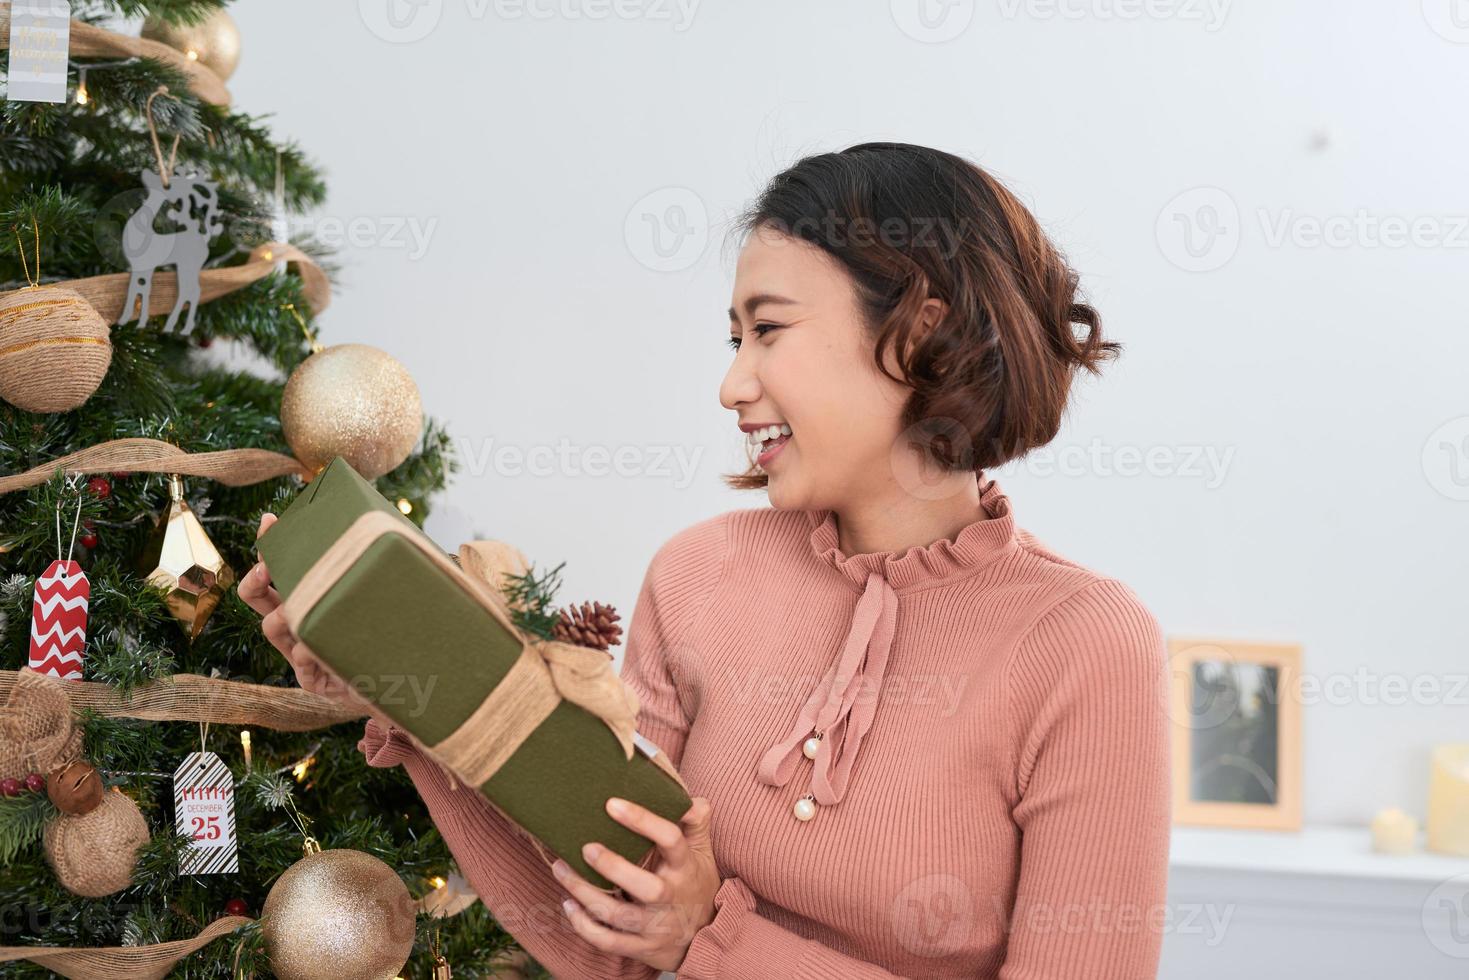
(1236, 712)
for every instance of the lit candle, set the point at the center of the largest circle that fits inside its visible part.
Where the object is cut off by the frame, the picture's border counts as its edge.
(1448, 801)
(245, 744)
(1394, 832)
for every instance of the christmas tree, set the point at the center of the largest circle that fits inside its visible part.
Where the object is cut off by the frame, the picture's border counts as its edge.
(125, 442)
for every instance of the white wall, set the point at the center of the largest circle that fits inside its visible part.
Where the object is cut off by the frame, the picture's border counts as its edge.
(521, 145)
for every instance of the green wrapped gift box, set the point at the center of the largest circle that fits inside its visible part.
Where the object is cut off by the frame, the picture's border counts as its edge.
(402, 624)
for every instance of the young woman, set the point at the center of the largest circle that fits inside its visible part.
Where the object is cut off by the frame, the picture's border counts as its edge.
(922, 743)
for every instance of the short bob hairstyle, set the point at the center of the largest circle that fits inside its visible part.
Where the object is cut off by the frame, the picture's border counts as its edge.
(908, 223)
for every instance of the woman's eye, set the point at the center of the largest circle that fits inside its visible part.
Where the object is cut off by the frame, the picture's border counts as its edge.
(760, 329)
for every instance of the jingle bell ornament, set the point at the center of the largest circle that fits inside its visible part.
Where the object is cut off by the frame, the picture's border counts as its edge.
(75, 788)
(185, 563)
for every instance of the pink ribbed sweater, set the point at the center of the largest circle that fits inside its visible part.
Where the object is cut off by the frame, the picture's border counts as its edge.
(992, 786)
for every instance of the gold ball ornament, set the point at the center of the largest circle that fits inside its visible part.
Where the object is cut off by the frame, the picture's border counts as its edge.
(55, 348)
(338, 913)
(215, 43)
(94, 854)
(353, 401)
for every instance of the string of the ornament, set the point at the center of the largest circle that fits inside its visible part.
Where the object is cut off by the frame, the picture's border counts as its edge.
(19, 247)
(310, 338)
(68, 483)
(164, 170)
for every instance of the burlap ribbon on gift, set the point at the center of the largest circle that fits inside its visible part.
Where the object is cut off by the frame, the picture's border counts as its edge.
(546, 672)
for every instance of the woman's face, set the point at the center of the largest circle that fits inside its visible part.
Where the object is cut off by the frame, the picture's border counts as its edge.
(805, 360)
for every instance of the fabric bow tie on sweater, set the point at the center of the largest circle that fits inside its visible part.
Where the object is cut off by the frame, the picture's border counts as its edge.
(833, 713)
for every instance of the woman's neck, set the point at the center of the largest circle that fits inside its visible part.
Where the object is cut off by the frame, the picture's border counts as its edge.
(898, 519)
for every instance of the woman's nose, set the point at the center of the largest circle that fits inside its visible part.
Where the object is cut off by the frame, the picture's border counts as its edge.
(741, 385)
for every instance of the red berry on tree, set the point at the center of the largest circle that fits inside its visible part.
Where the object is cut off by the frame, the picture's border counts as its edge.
(89, 540)
(100, 486)
(236, 906)
(35, 782)
(9, 787)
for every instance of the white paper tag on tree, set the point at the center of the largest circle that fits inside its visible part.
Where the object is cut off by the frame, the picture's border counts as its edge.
(204, 809)
(40, 31)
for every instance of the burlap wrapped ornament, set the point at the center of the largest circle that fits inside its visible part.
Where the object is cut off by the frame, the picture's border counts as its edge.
(36, 729)
(55, 348)
(93, 855)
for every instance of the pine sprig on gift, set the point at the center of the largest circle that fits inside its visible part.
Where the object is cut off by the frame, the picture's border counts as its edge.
(531, 598)
(22, 819)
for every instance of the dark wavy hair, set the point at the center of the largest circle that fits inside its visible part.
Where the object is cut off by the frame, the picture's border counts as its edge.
(909, 223)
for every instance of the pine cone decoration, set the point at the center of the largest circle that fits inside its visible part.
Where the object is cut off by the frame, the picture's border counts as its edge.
(591, 624)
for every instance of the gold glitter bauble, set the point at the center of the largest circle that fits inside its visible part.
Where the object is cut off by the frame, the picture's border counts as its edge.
(352, 401)
(93, 854)
(215, 43)
(55, 349)
(337, 914)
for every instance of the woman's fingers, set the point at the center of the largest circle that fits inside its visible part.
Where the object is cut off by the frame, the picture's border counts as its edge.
(668, 835)
(278, 632)
(613, 911)
(255, 587)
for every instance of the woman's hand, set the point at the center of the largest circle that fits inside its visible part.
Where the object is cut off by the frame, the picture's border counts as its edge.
(311, 673)
(670, 903)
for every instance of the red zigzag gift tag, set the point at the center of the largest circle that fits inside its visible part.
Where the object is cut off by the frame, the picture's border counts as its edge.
(59, 621)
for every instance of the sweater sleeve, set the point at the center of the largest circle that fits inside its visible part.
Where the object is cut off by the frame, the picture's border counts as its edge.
(500, 860)
(1088, 699)
(742, 945)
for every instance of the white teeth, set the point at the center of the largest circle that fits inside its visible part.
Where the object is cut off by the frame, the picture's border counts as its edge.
(769, 432)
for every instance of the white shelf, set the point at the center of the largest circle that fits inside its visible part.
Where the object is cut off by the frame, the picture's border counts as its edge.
(1314, 850)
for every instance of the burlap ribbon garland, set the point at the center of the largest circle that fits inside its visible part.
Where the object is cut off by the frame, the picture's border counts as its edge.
(90, 41)
(179, 697)
(232, 467)
(109, 962)
(546, 672)
(107, 293)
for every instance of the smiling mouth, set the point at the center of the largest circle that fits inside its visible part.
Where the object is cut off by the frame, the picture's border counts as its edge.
(768, 438)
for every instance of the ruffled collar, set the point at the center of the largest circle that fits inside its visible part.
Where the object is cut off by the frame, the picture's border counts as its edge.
(987, 537)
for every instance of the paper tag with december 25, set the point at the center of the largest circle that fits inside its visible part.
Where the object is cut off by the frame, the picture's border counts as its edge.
(204, 809)
(40, 32)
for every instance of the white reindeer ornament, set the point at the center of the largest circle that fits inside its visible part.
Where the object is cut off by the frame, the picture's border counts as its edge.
(186, 247)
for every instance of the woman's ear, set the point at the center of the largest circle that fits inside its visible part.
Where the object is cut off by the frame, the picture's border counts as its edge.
(930, 315)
